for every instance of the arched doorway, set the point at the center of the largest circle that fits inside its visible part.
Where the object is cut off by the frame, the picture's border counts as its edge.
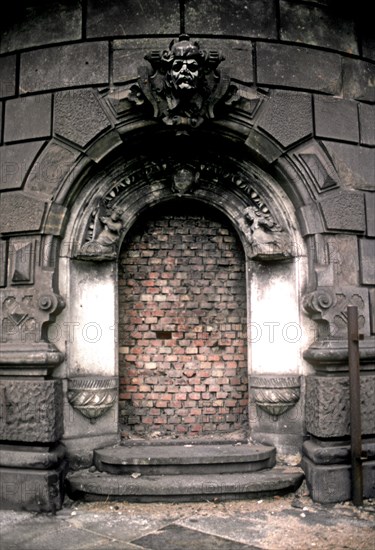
(182, 325)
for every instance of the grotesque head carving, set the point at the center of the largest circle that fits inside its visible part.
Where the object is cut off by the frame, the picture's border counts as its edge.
(184, 62)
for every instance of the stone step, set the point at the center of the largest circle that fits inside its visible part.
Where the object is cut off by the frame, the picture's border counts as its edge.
(98, 486)
(184, 459)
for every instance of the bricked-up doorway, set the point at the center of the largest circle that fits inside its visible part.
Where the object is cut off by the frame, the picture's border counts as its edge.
(182, 325)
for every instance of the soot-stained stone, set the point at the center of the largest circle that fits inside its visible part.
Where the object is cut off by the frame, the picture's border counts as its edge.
(355, 165)
(367, 265)
(15, 162)
(252, 18)
(367, 123)
(344, 210)
(53, 165)
(370, 213)
(336, 119)
(358, 80)
(28, 118)
(317, 26)
(39, 23)
(129, 54)
(291, 107)
(285, 65)
(64, 66)
(114, 18)
(20, 212)
(7, 75)
(78, 116)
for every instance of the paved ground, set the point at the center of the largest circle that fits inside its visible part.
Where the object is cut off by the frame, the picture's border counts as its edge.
(277, 523)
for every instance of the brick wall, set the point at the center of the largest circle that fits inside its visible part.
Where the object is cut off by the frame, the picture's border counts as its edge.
(182, 308)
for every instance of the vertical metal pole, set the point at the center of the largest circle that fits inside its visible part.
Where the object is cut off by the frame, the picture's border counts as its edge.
(355, 406)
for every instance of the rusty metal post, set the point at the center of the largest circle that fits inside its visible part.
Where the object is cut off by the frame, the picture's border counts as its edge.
(355, 406)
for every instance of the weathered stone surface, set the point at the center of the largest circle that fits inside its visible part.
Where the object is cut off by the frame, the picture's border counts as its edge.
(344, 210)
(372, 309)
(327, 405)
(64, 66)
(32, 490)
(358, 80)
(53, 165)
(295, 108)
(253, 18)
(20, 212)
(317, 26)
(282, 65)
(15, 162)
(310, 220)
(184, 487)
(336, 119)
(355, 165)
(367, 255)
(31, 411)
(38, 457)
(129, 54)
(367, 123)
(3, 262)
(113, 18)
(370, 213)
(38, 23)
(332, 483)
(173, 459)
(78, 116)
(7, 75)
(28, 117)
(334, 454)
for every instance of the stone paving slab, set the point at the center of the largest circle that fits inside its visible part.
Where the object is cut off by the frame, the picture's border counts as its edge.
(281, 522)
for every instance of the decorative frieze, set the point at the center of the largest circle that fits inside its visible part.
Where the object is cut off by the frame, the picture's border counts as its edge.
(92, 396)
(328, 407)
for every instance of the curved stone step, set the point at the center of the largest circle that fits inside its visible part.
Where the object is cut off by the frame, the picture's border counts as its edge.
(184, 459)
(84, 485)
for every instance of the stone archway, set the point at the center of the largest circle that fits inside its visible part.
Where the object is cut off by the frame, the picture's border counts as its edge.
(182, 325)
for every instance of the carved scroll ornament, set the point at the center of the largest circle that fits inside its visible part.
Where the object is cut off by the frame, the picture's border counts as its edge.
(184, 86)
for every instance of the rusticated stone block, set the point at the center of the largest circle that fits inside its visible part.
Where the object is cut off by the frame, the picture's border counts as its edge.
(78, 116)
(31, 411)
(255, 18)
(332, 483)
(367, 256)
(344, 210)
(114, 18)
(294, 107)
(315, 25)
(28, 118)
(370, 213)
(39, 23)
(15, 162)
(358, 80)
(7, 75)
(19, 212)
(328, 409)
(355, 165)
(367, 123)
(64, 66)
(32, 490)
(372, 309)
(282, 65)
(129, 54)
(53, 165)
(336, 119)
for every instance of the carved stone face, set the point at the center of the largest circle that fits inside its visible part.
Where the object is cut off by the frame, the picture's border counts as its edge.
(185, 73)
